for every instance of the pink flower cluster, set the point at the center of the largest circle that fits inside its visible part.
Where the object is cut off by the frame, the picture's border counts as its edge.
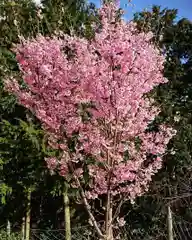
(97, 88)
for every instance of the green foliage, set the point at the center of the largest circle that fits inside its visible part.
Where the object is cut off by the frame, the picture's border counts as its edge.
(69, 16)
(13, 236)
(4, 191)
(157, 20)
(21, 156)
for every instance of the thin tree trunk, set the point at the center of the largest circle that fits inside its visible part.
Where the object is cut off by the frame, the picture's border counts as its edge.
(23, 228)
(110, 222)
(67, 216)
(170, 224)
(109, 218)
(8, 229)
(28, 216)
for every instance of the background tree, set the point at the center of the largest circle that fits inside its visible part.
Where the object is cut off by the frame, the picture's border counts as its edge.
(18, 132)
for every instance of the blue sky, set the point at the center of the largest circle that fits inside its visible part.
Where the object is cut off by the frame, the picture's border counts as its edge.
(184, 6)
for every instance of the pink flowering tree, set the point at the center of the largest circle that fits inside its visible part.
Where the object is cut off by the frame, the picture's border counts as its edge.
(94, 93)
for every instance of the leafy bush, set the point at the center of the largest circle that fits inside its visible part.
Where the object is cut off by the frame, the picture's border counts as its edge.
(13, 236)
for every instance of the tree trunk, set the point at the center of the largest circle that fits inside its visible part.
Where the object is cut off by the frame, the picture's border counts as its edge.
(23, 228)
(67, 216)
(109, 217)
(170, 224)
(8, 229)
(28, 216)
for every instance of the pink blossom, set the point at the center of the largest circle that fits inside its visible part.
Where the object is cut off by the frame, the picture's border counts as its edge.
(79, 172)
(51, 163)
(63, 171)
